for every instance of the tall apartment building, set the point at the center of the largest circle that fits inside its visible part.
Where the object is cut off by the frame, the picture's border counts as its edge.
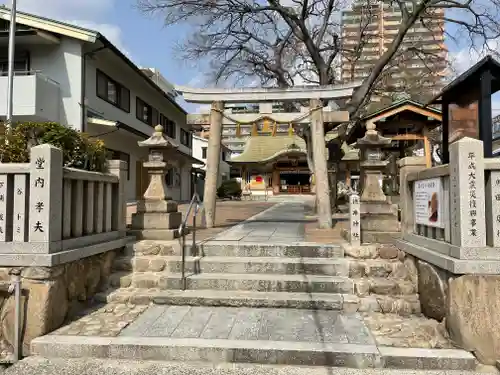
(368, 29)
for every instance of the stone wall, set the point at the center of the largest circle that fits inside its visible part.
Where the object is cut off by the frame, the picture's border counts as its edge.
(51, 295)
(469, 305)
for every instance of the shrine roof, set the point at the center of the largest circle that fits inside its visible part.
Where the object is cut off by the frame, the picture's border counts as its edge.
(260, 149)
(405, 104)
(382, 118)
(470, 80)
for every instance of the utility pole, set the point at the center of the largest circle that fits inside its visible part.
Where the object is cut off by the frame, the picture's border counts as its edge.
(10, 72)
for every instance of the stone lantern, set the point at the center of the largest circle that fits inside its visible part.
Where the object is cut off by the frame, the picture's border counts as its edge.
(157, 216)
(379, 218)
(372, 165)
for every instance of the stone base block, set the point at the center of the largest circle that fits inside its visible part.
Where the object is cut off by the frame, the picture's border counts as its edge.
(379, 223)
(51, 295)
(156, 206)
(472, 318)
(379, 237)
(379, 208)
(155, 234)
(156, 220)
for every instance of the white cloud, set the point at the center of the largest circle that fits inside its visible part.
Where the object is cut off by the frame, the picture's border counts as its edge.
(83, 13)
(64, 9)
(466, 57)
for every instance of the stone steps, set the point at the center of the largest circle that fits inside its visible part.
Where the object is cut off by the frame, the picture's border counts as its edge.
(407, 304)
(265, 265)
(264, 282)
(228, 281)
(294, 250)
(235, 249)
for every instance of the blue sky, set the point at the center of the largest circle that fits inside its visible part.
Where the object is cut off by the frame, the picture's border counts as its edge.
(143, 37)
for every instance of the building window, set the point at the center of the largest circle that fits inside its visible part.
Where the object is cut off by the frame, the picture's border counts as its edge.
(203, 152)
(119, 155)
(21, 64)
(145, 112)
(186, 138)
(168, 126)
(113, 92)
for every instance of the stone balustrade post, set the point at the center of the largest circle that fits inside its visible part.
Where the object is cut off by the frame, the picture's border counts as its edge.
(119, 169)
(408, 165)
(45, 201)
(467, 193)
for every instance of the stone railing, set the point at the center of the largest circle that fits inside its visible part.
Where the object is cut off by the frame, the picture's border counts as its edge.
(450, 214)
(50, 214)
(457, 251)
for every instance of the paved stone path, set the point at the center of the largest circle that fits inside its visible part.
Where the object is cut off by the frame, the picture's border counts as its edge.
(283, 223)
(232, 323)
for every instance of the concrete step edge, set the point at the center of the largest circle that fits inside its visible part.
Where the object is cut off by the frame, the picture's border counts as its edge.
(78, 366)
(235, 259)
(252, 351)
(346, 302)
(253, 276)
(213, 350)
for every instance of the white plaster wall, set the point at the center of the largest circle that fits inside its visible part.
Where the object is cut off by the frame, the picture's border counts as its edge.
(122, 140)
(186, 183)
(111, 65)
(224, 168)
(63, 64)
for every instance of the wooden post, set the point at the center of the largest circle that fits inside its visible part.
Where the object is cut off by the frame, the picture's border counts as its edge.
(213, 156)
(320, 164)
(427, 149)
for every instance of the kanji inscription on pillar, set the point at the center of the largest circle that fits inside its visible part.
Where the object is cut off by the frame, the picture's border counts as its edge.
(19, 213)
(45, 194)
(3, 206)
(39, 192)
(355, 219)
(467, 192)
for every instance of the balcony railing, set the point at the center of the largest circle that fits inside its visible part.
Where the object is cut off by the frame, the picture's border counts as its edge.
(36, 96)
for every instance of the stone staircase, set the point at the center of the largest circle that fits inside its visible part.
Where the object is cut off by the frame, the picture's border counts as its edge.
(300, 275)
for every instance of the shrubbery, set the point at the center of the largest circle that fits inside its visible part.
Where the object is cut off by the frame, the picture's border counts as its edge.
(79, 151)
(229, 189)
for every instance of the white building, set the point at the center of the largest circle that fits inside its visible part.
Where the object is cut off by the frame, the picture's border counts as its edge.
(200, 146)
(75, 76)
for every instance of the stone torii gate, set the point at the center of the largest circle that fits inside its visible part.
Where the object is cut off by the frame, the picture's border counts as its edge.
(316, 115)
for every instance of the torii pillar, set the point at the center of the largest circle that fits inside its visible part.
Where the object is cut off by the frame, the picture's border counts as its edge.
(320, 164)
(213, 158)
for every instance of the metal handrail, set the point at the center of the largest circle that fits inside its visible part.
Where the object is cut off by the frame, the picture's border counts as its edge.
(197, 204)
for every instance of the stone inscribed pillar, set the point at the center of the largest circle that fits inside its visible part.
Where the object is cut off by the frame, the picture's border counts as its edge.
(320, 164)
(213, 158)
(493, 209)
(157, 217)
(46, 190)
(355, 220)
(467, 193)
